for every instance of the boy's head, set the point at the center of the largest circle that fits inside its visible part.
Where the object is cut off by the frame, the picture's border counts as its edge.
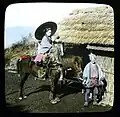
(92, 57)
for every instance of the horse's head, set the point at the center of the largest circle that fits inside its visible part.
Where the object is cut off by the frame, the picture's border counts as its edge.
(58, 47)
(56, 52)
(61, 49)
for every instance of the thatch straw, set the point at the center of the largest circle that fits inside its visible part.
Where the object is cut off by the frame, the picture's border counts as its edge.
(90, 25)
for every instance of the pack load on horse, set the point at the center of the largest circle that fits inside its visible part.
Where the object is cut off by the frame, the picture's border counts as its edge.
(93, 80)
(48, 62)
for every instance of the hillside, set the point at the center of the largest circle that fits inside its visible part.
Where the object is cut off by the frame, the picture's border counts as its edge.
(13, 33)
(27, 46)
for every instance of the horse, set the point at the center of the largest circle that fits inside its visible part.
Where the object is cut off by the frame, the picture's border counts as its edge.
(72, 65)
(26, 66)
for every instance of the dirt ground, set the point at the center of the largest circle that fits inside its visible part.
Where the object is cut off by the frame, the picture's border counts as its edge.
(72, 99)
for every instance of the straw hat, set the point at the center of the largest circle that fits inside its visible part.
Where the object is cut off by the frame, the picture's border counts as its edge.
(40, 31)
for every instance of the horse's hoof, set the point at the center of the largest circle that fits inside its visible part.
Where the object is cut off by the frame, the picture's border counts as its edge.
(57, 99)
(25, 97)
(20, 98)
(82, 91)
(60, 79)
(43, 79)
(35, 78)
(53, 101)
(95, 104)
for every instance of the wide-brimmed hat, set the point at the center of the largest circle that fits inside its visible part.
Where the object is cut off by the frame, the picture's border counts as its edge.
(40, 31)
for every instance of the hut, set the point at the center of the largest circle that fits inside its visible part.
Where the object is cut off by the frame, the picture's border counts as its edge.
(92, 29)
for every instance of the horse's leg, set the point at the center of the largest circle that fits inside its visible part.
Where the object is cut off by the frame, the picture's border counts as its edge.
(51, 95)
(61, 82)
(21, 91)
(53, 86)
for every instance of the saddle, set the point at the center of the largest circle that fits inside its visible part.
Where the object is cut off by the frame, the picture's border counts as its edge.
(24, 57)
(43, 63)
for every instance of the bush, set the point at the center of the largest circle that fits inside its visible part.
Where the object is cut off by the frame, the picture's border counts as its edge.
(8, 57)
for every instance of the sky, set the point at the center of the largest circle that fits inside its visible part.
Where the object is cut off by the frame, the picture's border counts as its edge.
(34, 14)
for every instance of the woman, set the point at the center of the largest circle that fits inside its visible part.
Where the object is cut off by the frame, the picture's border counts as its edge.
(44, 33)
(44, 46)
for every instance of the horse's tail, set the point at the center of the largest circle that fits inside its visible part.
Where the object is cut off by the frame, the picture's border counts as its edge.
(18, 66)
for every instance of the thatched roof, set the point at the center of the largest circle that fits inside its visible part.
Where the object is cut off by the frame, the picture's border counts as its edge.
(88, 26)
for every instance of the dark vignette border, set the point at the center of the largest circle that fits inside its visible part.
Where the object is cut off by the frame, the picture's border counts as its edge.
(116, 76)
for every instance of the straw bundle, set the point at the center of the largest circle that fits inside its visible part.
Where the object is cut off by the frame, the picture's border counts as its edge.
(88, 26)
(107, 65)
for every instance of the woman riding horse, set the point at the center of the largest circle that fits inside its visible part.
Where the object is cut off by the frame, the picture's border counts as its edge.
(44, 33)
(26, 66)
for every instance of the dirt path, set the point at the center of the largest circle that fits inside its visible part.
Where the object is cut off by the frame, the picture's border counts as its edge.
(72, 99)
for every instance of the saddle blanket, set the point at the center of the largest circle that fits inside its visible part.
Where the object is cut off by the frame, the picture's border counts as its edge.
(40, 57)
(26, 57)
